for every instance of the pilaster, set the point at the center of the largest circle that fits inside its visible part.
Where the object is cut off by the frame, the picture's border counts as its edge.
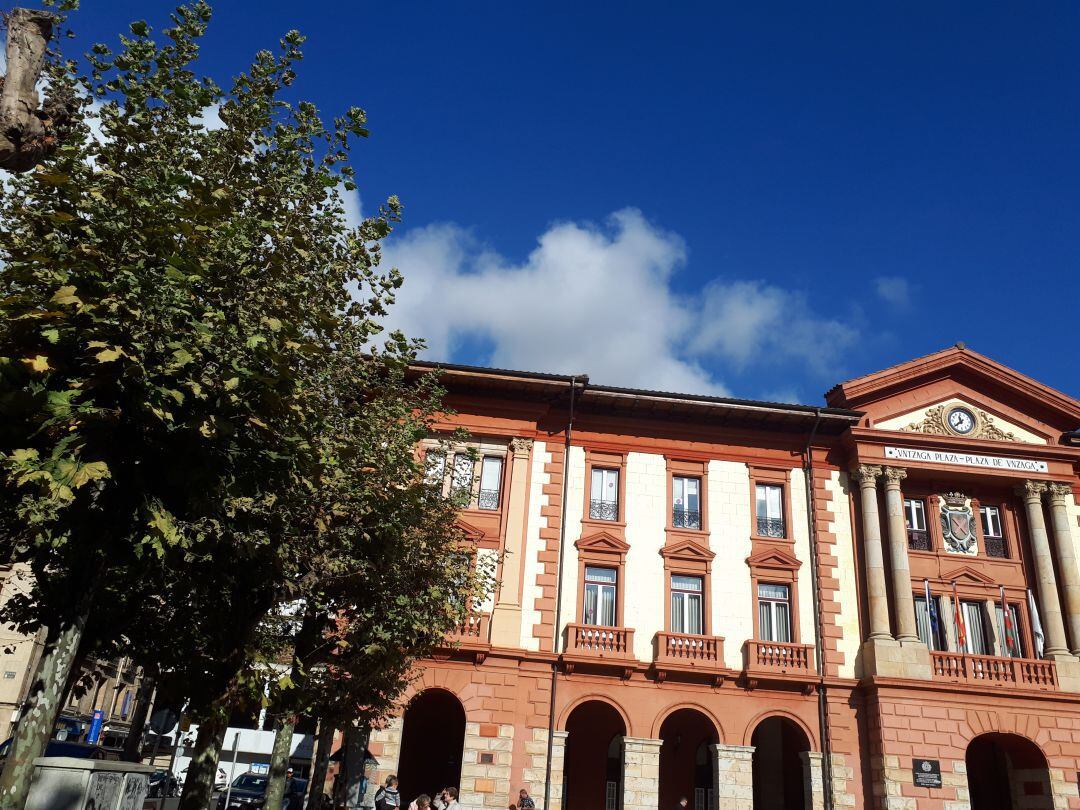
(506, 616)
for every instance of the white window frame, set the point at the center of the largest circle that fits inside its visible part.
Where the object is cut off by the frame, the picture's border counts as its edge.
(604, 488)
(985, 513)
(687, 604)
(915, 514)
(596, 587)
(681, 495)
(774, 614)
(935, 641)
(975, 628)
(487, 463)
(773, 504)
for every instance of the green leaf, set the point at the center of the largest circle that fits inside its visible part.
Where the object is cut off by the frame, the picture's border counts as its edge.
(109, 355)
(52, 178)
(65, 295)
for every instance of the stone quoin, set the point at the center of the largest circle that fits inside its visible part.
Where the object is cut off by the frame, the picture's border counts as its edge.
(870, 604)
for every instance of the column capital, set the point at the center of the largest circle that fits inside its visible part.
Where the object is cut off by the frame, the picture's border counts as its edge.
(893, 476)
(1057, 491)
(521, 446)
(1031, 490)
(866, 474)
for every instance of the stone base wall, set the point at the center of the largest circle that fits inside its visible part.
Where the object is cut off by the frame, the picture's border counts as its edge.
(733, 775)
(385, 746)
(485, 765)
(641, 773)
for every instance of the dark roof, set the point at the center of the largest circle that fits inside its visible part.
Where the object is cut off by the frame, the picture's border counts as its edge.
(645, 402)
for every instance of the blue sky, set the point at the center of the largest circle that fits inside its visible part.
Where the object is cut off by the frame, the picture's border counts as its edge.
(751, 199)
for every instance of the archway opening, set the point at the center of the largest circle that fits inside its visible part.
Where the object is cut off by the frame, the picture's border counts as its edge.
(779, 770)
(432, 742)
(686, 761)
(592, 778)
(1007, 772)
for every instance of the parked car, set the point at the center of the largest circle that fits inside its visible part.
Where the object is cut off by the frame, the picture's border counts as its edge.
(163, 784)
(249, 791)
(63, 748)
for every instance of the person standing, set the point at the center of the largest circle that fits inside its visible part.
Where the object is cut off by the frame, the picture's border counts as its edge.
(525, 801)
(387, 797)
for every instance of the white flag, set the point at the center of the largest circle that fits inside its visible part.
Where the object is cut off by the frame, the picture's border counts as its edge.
(1036, 625)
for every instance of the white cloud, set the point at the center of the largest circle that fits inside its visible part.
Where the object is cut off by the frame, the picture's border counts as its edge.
(600, 300)
(893, 290)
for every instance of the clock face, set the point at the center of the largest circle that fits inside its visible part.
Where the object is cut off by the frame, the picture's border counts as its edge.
(961, 420)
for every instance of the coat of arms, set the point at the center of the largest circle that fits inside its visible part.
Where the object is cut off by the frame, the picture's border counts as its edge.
(956, 524)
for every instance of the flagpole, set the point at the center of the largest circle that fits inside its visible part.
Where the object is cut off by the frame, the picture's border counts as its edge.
(961, 627)
(1003, 624)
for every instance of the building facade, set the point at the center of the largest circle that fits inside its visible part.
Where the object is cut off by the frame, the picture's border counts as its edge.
(874, 603)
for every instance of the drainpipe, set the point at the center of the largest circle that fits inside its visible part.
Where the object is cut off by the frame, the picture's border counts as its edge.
(823, 706)
(559, 584)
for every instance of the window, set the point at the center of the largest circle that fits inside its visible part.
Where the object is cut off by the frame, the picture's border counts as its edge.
(435, 462)
(463, 474)
(685, 502)
(975, 626)
(600, 586)
(604, 495)
(770, 510)
(918, 537)
(687, 604)
(774, 612)
(490, 481)
(993, 537)
(931, 629)
(1012, 644)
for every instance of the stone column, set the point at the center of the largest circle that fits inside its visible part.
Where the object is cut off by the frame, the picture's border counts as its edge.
(641, 773)
(733, 776)
(813, 780)
(1066, 559)
(903, 601)
(535, 773)
(506, 616)
(1049, 606)
(867, 476)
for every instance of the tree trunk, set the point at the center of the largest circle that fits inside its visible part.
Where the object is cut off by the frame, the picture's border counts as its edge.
(137, 730)
(202, 771)
(355, 746)
(321, 765)
(39, 715)
(279, 762)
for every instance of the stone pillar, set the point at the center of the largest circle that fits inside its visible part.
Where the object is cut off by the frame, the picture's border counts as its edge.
(813, 780)
(733, 776)
(641, 773)
(506, 616)
(486, 784)
(903, 601)
(535, 771)
(385, 745)
(1066, 559)
(867, 476)
(1049, 606)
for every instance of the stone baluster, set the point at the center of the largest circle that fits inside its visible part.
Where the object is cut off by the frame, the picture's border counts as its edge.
(1049, 605)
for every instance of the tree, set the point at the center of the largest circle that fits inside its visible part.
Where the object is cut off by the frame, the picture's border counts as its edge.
(182, 310)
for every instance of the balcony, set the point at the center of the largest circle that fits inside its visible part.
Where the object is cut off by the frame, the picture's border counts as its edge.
(590, 644)
(770, 527)
(471, 637)
(685, 518)
(488, 499)
(990, 670)
(995, 547)
(779, 661)
(691, 654)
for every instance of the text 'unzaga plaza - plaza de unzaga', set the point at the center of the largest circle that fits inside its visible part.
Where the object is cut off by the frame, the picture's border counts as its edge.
(873, 603)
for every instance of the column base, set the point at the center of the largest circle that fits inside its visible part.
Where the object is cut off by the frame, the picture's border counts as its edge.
(889, 658)
(1068, 671)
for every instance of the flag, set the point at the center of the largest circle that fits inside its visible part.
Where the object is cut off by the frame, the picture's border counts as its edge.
(1011, 645)
(1036, 625)
(931, 612)
(961, 628)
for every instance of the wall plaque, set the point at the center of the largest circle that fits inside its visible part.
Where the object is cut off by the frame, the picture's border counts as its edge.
(926, 772)
(1029, 465)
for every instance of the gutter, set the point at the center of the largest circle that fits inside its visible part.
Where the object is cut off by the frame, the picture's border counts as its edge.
(819, 638)
(559, 583)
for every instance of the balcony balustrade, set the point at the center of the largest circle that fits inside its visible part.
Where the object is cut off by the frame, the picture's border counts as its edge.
(685, 518)
(779, 657)
(995, 547)
(593, 641)
(603, 510)
(990, 670)
(918, 539)
(488, 499)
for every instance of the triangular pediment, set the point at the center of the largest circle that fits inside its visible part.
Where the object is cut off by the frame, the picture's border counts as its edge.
(773, 558)
(687, 550)
(917, 395)
(602, 541)
(470, 531)
(967, 574)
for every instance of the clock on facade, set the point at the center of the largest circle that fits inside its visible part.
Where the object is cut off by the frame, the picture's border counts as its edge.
(961, 420)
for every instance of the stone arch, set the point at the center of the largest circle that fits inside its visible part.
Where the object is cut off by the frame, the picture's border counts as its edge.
(432, 742)
(688, 738)
(456, 682)
(758, 719)
(599, 698)
(1006, 771)
(593, 762)
(658, 722)
(785, 769)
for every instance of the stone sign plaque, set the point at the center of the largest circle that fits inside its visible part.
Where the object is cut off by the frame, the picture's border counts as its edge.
(926, 772)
